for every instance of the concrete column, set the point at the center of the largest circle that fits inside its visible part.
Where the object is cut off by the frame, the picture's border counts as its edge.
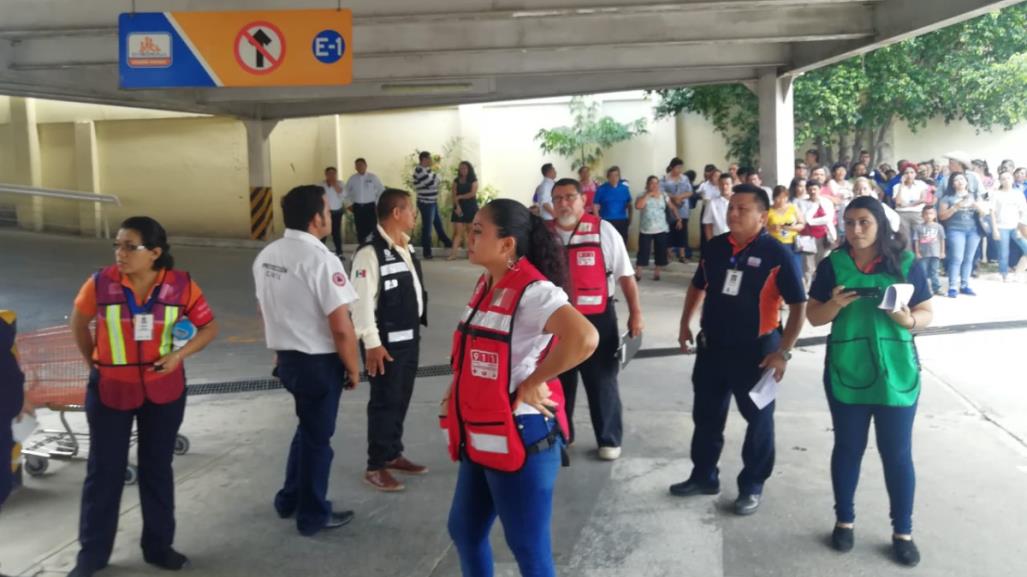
(87, 179)
(679, 135)
(258, 152)
(470, 134)
(777, 128)
(329, 146)
(27, 170)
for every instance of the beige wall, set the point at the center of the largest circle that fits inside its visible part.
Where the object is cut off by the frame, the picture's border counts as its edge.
(937, 138)
(57, 161)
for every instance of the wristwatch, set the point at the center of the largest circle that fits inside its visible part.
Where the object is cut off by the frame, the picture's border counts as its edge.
(786, 353)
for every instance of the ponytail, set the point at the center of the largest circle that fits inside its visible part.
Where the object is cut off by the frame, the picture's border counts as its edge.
(545, 252)
(533, 239)
(153, 236)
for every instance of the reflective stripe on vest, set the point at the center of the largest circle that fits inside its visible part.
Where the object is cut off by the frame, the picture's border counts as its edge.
(114, 335)
(170, 318)
(589, 284)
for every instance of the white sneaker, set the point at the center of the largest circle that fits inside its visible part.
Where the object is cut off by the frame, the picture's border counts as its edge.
(609, 453)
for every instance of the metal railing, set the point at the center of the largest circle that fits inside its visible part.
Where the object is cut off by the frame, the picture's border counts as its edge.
(37, 216)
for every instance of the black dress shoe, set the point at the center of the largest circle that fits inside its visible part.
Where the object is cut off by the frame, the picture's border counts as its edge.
(338, 519)
(693, 487)
(843, 539)
(171, 560)
(747, 504)
(905, 552)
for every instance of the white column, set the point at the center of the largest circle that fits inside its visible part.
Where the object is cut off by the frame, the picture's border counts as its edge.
(258, 153)
(679, 135)
(777, 128)
(87, 178)
(27, 170)
(329, 148)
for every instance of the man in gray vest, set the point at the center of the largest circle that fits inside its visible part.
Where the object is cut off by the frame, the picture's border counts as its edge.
(392, 306)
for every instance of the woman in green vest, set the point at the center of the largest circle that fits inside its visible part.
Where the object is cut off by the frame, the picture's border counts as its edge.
(871, 370)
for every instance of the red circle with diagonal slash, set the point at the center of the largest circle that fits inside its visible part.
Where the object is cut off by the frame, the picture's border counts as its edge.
(244, 34)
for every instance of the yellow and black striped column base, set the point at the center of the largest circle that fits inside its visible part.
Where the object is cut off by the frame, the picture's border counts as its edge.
(261, 212)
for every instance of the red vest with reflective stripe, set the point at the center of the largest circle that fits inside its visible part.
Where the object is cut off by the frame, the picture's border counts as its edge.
(127, 378)
(589, 291)
(480, 416)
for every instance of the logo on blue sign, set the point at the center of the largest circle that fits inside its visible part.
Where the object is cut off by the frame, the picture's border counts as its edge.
(329, 46)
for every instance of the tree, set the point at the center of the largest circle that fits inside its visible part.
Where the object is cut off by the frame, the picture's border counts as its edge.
(589, 136)
(975, 71)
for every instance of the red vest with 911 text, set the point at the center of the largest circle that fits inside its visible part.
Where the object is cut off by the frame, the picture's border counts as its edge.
(127, 378)
(480, 416)
(589, 291)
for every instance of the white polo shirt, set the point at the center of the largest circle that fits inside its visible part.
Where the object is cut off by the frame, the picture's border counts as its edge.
(299, 284)
(334, 197)
(716, 214)
(615, 254)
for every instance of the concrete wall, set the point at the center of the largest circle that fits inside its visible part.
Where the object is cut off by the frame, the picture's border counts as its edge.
(937, 138)
(57, 159)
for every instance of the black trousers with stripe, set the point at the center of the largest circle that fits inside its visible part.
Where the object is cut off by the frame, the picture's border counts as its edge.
(390, 400)
(599, 375)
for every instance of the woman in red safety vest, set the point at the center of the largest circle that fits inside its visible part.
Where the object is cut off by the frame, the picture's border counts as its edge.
(503, 415)
(143, 308)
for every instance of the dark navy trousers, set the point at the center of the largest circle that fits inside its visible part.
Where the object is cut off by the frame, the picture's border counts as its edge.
(388, 405)
(720, 373)
(110, 432)
(315, 382)
(599, 375)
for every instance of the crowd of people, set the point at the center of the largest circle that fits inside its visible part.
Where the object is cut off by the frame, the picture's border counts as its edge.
(540, 317)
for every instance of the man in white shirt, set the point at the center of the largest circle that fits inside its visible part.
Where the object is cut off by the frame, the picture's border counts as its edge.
(593, 278)
(362, 191)
(709, 189)
(714, 219)
(388, 317)
(910, 196)
(544, 192)
(304, 298)
(335, 195)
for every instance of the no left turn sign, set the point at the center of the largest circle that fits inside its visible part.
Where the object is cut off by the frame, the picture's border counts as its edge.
(260, 47)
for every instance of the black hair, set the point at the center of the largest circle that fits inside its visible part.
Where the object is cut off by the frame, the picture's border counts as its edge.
(153, 236)
(800, 163)
(927, 207)
(471, 175)
(759, 195)
(301, 204)
(690, 174)
(360, 160)
(546, 168)
(390, 200)
(675, 162)
(793, 187)
(424, 154)
(863, 151)
(744, 171)
(950, 189)
(815, 153)
(890, 245)
(709, 168)
(568, 182)
(836, 166)
(613, 168)
(725, 176)
(779, 189)
(813, 181)
(327, 168)
(852, 169)
(533, 239)
(648, 180)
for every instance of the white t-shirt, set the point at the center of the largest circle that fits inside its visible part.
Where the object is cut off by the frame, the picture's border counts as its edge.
(334, 198)
(1010, 208)
(709, 190)
(615, 254)
(527, 335)
(299, 284)
(910, 195)
(716, 214)
(544, 194)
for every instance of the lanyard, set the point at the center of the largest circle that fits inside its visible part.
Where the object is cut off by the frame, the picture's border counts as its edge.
(135, 308)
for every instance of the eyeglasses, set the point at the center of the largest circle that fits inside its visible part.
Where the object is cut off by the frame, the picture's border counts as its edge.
(128, 247)
(565, 198)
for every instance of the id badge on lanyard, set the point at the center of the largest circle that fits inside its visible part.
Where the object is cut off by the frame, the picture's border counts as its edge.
(733, 282)
(142, 318)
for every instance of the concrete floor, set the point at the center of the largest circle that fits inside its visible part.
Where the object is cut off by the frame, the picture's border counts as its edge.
(610, 519)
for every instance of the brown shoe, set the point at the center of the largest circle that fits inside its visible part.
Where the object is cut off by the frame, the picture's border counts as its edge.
(383, 481)
(402, 465)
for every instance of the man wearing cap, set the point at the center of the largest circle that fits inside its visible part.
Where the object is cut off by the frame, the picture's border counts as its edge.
(741, 280)
(960, 162)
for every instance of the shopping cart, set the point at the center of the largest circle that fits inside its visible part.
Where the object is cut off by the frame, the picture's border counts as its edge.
(56, 378)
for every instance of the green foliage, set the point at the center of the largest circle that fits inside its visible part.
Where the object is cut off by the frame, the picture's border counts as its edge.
(975, 71)
(589, 136)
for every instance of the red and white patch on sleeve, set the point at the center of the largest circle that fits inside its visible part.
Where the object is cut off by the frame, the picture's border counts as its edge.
(339, 279)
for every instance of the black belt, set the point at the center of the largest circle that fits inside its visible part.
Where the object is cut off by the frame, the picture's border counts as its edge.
(547, 443)
(364, 203)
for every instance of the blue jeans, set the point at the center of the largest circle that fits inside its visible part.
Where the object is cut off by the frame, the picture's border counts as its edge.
(961, 246)
(930, 265)
(1007, 235)
(315, 382)
(894, 429)
(524, 503)
(430, 217)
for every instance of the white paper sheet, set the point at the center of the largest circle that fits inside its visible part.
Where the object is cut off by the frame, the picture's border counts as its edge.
(21, 430)
(896, 296)
(765, 391)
